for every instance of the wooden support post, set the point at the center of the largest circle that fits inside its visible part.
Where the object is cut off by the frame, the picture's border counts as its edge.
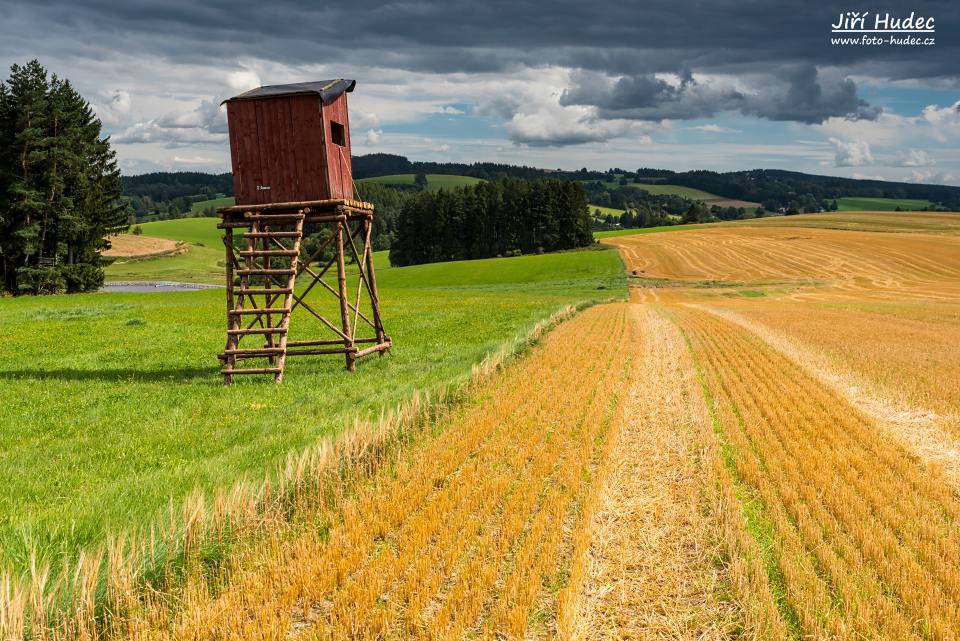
(344, 310)
(372, 283)
(232, 321)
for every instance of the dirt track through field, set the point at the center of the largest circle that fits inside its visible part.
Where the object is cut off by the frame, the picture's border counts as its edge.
(649, 550)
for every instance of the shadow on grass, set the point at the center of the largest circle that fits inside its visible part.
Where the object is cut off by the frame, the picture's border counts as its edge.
(210, 374)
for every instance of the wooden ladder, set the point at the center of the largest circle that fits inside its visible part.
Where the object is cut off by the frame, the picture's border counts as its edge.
(264, 242)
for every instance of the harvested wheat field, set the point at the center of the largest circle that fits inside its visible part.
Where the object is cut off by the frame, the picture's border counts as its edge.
(134, 246)
(828, 361)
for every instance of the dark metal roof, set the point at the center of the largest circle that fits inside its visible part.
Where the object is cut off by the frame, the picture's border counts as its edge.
(326, 89)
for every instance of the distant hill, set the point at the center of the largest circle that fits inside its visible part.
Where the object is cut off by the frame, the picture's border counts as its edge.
(763, 184)
(177, 194)
(435, 182)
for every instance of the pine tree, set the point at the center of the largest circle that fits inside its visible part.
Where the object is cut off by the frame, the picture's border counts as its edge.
(59, 186)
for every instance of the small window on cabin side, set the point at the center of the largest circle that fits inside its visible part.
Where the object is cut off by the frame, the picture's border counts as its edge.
(338, 134)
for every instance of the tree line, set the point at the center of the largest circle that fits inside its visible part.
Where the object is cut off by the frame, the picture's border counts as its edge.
(60, 188)
(165, 194)
(506, 217)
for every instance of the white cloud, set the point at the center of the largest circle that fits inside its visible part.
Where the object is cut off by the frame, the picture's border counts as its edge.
(914, 158)
(887, 129)
(152, 131)
(861, 176)
(715, 129)
(360, 119)
(854, 153)
(441, 149)
(944, 121)
(193, 160)
(112, 107)
(374, 136)
(932, 177)
(243, 80)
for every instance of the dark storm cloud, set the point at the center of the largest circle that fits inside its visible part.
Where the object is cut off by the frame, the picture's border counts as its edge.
(615, 37)
(795, 93)
(776, 49)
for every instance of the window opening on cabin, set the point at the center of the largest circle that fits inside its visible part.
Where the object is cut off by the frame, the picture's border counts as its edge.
(338, 134)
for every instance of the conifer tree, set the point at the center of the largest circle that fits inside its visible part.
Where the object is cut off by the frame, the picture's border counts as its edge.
(59, 186)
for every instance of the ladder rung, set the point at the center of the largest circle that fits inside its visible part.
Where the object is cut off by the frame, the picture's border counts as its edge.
(265, 310)
(254, 351)
(272, 234)
(255, 330)
(252, 370)
(262, 292)
(265, 272)
(269, 252)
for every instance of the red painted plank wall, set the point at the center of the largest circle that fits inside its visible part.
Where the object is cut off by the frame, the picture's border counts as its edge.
(340, 169)
(284, 144)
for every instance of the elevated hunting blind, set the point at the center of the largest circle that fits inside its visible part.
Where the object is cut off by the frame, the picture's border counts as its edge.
(291, 143)
(296, 214)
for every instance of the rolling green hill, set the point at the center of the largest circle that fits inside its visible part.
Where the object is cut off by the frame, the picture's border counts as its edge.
(664, 190)
(605, 210)
(435, 182)
(216, 203)
(881, 204)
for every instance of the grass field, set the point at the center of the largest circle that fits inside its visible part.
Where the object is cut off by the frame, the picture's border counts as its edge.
(202, 205)
(103, 433)
(435, 182)
(633, 231)
(661, 190)
(881, 204)
(605, 210)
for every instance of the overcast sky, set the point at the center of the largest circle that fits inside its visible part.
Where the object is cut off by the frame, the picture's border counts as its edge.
(681, 84)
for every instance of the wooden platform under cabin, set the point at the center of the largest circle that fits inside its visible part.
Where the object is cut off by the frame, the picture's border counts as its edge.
(314, 211)
(267, 267)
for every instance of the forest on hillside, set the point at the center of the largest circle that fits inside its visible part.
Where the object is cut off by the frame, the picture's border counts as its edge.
(506, 217)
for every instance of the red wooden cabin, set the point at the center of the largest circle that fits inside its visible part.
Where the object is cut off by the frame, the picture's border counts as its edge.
(291, 143)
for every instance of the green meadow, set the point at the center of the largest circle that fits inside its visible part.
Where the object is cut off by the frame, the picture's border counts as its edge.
(881, 204)
(605, 211)
(114, 409)
(435, 182)
(662, 189)
(633, 231)
(216, 203)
